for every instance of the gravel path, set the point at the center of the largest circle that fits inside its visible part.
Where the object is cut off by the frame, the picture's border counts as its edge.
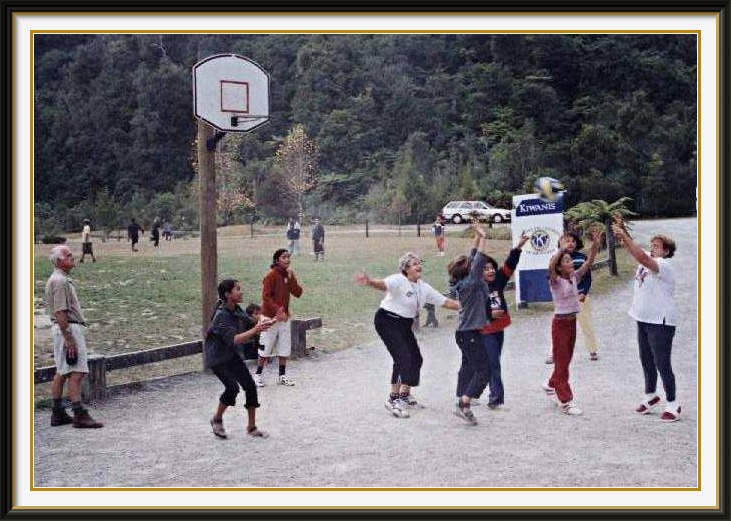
(331, 429)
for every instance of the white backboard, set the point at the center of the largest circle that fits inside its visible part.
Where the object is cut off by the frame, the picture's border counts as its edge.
(230, 93)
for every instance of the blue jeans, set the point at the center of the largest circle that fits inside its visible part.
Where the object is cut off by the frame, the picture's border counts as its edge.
(474, 371)
(493, 344)
(656, 342)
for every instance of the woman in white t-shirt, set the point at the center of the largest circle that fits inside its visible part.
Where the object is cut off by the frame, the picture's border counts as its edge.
(653, 307)
(405, 295)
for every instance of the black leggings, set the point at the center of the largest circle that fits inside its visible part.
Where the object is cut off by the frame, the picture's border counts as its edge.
(396, 333)
(232, 374)
(656, 344)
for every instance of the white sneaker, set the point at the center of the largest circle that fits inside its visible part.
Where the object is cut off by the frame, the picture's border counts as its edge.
(570, 409)
(397, 408)
(283, 380)
(258, 380)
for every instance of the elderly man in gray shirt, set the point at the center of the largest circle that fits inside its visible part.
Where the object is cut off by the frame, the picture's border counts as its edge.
(69, 346)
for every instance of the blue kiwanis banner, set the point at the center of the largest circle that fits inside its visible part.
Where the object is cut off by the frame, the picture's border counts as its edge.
(542, 221)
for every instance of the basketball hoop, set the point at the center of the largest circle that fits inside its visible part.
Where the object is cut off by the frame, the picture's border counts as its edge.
(231, 93)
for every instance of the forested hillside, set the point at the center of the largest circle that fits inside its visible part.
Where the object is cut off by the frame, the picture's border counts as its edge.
(399, 123)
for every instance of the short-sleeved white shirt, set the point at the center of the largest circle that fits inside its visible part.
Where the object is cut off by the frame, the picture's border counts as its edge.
(86, 233)
(653, 300)
(406, 298)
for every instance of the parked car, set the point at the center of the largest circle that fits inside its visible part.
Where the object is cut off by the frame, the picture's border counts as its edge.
(461, 211)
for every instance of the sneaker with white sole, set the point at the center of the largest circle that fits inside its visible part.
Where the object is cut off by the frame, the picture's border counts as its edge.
(570, 409)
(466, 414)
(258, 380)
(646, 406)
(549, 359)
(397, 407)
(411, 402)
(283, 380)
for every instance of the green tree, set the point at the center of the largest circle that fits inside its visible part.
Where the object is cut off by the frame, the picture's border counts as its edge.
(597, 215)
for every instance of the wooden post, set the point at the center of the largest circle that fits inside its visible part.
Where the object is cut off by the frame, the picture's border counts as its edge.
(611, 248)
(209, 240)
(299, 330)
(366, 228)
(94, 387)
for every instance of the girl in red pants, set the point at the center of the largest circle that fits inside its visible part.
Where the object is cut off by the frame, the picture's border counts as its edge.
(563, 281)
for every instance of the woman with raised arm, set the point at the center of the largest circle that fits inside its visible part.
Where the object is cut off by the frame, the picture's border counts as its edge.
(564, 281)
(653, 307)
(406, 293)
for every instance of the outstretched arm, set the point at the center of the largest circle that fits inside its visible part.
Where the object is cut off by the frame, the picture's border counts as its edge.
(633, 248)
(554, 262)
(362, 279)
(596, 239)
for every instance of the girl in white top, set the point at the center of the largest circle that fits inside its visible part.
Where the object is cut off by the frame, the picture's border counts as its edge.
(405, 295)
(653, 307)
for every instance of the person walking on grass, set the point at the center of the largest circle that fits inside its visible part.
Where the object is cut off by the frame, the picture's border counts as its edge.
(653, 307)
(563, 281)
(69, 343)
(318, 240)
(86, 246)
(405, 294)
(278, 284)
(293, 236)
(493, 334)
(133, 233)
(231, 327)
(466, 274)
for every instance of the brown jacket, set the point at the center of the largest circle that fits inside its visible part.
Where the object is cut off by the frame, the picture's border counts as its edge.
(277, 286)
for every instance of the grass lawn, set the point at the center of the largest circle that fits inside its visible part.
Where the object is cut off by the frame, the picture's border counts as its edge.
(151, 298)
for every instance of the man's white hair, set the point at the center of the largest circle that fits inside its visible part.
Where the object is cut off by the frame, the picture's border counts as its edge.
(56, 254)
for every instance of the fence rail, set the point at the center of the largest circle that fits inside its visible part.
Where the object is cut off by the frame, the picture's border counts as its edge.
(95, 386)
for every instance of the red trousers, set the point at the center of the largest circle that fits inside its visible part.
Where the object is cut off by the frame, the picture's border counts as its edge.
(563, 337)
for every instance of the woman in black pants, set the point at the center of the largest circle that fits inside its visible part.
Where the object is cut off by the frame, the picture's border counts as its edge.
(405, 295)
(232, 326)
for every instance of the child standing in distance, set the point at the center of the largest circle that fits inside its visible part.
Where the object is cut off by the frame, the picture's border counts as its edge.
(439, 230)
(279, 283)
(563, 281)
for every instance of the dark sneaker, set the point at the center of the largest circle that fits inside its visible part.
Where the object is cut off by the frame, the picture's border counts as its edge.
(218, 430)
(495, 406)
(82, 420)
(593, 356)
(410, 401)
(466, 414)
(60, 417)
(647, 405)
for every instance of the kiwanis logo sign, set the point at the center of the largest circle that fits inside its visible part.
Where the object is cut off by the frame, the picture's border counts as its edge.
(542, 240)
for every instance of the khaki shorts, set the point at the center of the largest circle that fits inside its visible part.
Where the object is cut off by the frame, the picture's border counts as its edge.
(59, 356)
(277, 340)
